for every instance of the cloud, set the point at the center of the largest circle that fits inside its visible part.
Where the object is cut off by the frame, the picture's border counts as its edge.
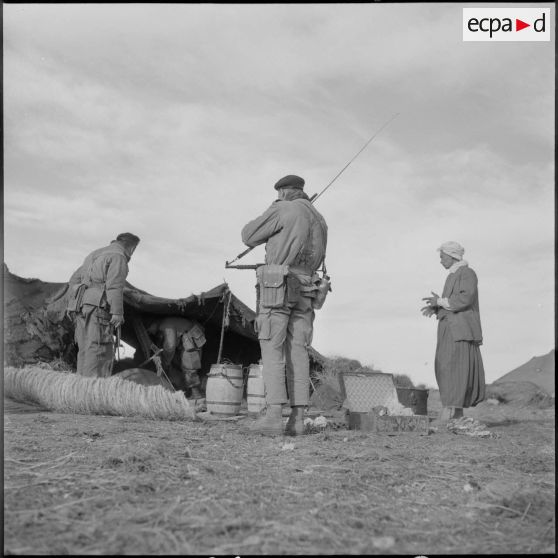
(174, 122)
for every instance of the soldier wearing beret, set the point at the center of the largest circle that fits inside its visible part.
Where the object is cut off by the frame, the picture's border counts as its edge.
(96, 303)
(295, 235)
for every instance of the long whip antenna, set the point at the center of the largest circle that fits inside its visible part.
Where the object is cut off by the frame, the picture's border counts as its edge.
(316, 196)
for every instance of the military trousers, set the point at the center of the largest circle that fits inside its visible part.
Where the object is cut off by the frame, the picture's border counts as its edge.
(182, 365)
(183, 378)
(93, 335)
(285, 335)
(190, 364)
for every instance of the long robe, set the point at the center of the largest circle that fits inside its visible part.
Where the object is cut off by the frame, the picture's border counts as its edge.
(458, 363)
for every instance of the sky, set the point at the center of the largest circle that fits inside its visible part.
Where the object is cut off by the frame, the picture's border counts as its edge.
(174, 121)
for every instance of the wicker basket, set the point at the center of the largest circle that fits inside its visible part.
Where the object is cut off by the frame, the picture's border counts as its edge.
(365, 390)
(389, 424)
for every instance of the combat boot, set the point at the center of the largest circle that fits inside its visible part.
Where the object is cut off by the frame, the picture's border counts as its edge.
(271, 424)
(295, 424)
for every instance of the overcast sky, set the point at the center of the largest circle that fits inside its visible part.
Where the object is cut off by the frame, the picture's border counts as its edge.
(174, 121)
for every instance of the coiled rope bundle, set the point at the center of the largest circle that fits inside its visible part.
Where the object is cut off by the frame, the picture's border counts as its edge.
(70, 393)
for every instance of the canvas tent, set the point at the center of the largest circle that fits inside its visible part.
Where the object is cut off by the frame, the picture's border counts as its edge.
(36, 329)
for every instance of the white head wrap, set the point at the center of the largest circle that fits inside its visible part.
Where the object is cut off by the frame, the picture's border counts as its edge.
(453, 249)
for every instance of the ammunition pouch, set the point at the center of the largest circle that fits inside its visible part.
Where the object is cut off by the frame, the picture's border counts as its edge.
(309, 291)
(294, 289)
(194, 339)
(309, 287)
(272, 283)
(323, 286)
(75, 298)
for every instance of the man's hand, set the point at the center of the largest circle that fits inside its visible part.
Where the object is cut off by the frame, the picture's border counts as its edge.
(117, 320)
(432, 300)
(427, 311)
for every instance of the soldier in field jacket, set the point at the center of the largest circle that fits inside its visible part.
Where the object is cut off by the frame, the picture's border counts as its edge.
(96, 303)
(182, 340)
(295, 235)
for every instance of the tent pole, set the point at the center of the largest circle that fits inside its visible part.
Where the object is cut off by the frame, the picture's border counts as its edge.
(225, 318)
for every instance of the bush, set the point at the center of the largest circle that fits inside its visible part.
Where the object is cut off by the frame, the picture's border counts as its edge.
(519, 393)
(338, 365)
(403, 381)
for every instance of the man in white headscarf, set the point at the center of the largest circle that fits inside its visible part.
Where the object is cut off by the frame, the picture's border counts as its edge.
(458, 363)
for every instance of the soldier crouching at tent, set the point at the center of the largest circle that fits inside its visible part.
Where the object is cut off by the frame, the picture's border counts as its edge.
(97, 306)
(182, 341)
(295, 235)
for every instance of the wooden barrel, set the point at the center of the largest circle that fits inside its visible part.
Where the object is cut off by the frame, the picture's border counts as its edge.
(255, 390)
(223, 392)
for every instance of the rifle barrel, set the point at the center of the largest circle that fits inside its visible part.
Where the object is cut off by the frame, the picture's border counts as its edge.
(245, 266)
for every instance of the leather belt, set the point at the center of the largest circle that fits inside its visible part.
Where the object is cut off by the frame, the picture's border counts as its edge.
(296, 269)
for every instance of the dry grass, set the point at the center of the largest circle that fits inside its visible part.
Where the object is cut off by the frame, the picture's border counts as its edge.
(70, 393)
(59, 365)
(77, 484)
(327, 377)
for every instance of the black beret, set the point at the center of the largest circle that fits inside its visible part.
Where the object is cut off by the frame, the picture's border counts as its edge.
(128, 238)
(290, 181)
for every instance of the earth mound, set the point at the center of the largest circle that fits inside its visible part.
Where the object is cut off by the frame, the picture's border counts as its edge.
(519, 393)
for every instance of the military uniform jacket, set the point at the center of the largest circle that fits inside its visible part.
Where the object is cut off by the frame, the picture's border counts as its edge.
(296, 234)
(172, 328)
(104, 273)
(463, 316)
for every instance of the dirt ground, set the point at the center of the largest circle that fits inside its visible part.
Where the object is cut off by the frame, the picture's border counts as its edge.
(77, 484)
